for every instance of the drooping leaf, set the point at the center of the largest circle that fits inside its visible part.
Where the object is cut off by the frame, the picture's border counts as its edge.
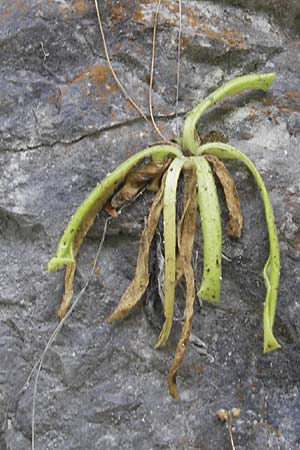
(186, 234)
(84, 216)
(271, 271)
(172, 177)
(137, 179)
(211, 231)
(256, 81)
(140, 281)
(71, 268)
(235, 222)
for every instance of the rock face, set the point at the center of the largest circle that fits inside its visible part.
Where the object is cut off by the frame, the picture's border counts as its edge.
(64, 125)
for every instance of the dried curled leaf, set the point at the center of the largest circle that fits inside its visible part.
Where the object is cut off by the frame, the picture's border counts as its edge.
(186, 234)
(190, 182)
(235, 222)
(68, 294)
(137, 179)
(71, 268)
(141, 278)
(85, 215)
(97, 198)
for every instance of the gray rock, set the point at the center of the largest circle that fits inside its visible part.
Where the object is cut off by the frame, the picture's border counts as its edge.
(64, 126)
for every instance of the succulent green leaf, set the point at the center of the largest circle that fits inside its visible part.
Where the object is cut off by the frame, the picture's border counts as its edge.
(271, 270)
(170, 246)
(260, 81)
(97, 198)
(211, 231)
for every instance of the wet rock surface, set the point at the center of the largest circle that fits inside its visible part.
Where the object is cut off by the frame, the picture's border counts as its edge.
(64, 125)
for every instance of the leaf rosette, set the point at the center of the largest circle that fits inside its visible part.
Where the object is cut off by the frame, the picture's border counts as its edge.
(201, 165)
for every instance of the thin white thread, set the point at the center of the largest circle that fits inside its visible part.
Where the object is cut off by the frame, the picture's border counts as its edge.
(121, 86)
(152, 73)
(39, 363)
(178, 66)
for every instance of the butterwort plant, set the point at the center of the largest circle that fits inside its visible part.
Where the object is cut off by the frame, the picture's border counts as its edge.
(158, 168)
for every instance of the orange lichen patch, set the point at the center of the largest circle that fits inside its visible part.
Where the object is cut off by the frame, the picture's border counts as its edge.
(117, 12)
(80, 7)
(112, 87)
(92, 80)
(21, 5)
(292, 102)
(138, 16)
(230, 38)
(98, 74)
(293, 94)
(95, 74)
(191, 17)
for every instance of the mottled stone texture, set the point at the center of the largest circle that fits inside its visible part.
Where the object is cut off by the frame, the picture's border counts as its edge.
(64, 125)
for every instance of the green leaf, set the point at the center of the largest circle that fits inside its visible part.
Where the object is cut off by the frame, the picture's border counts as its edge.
(96, 200)
(170, 246)
(260, 81)
(271, 270)
(211, 231)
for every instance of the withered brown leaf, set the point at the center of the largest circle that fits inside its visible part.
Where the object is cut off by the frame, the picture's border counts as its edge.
(186, 233)
(235, 222)
(134, 182)
(141, 278)
(149, 174)
(68, 294)
(80, 235)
